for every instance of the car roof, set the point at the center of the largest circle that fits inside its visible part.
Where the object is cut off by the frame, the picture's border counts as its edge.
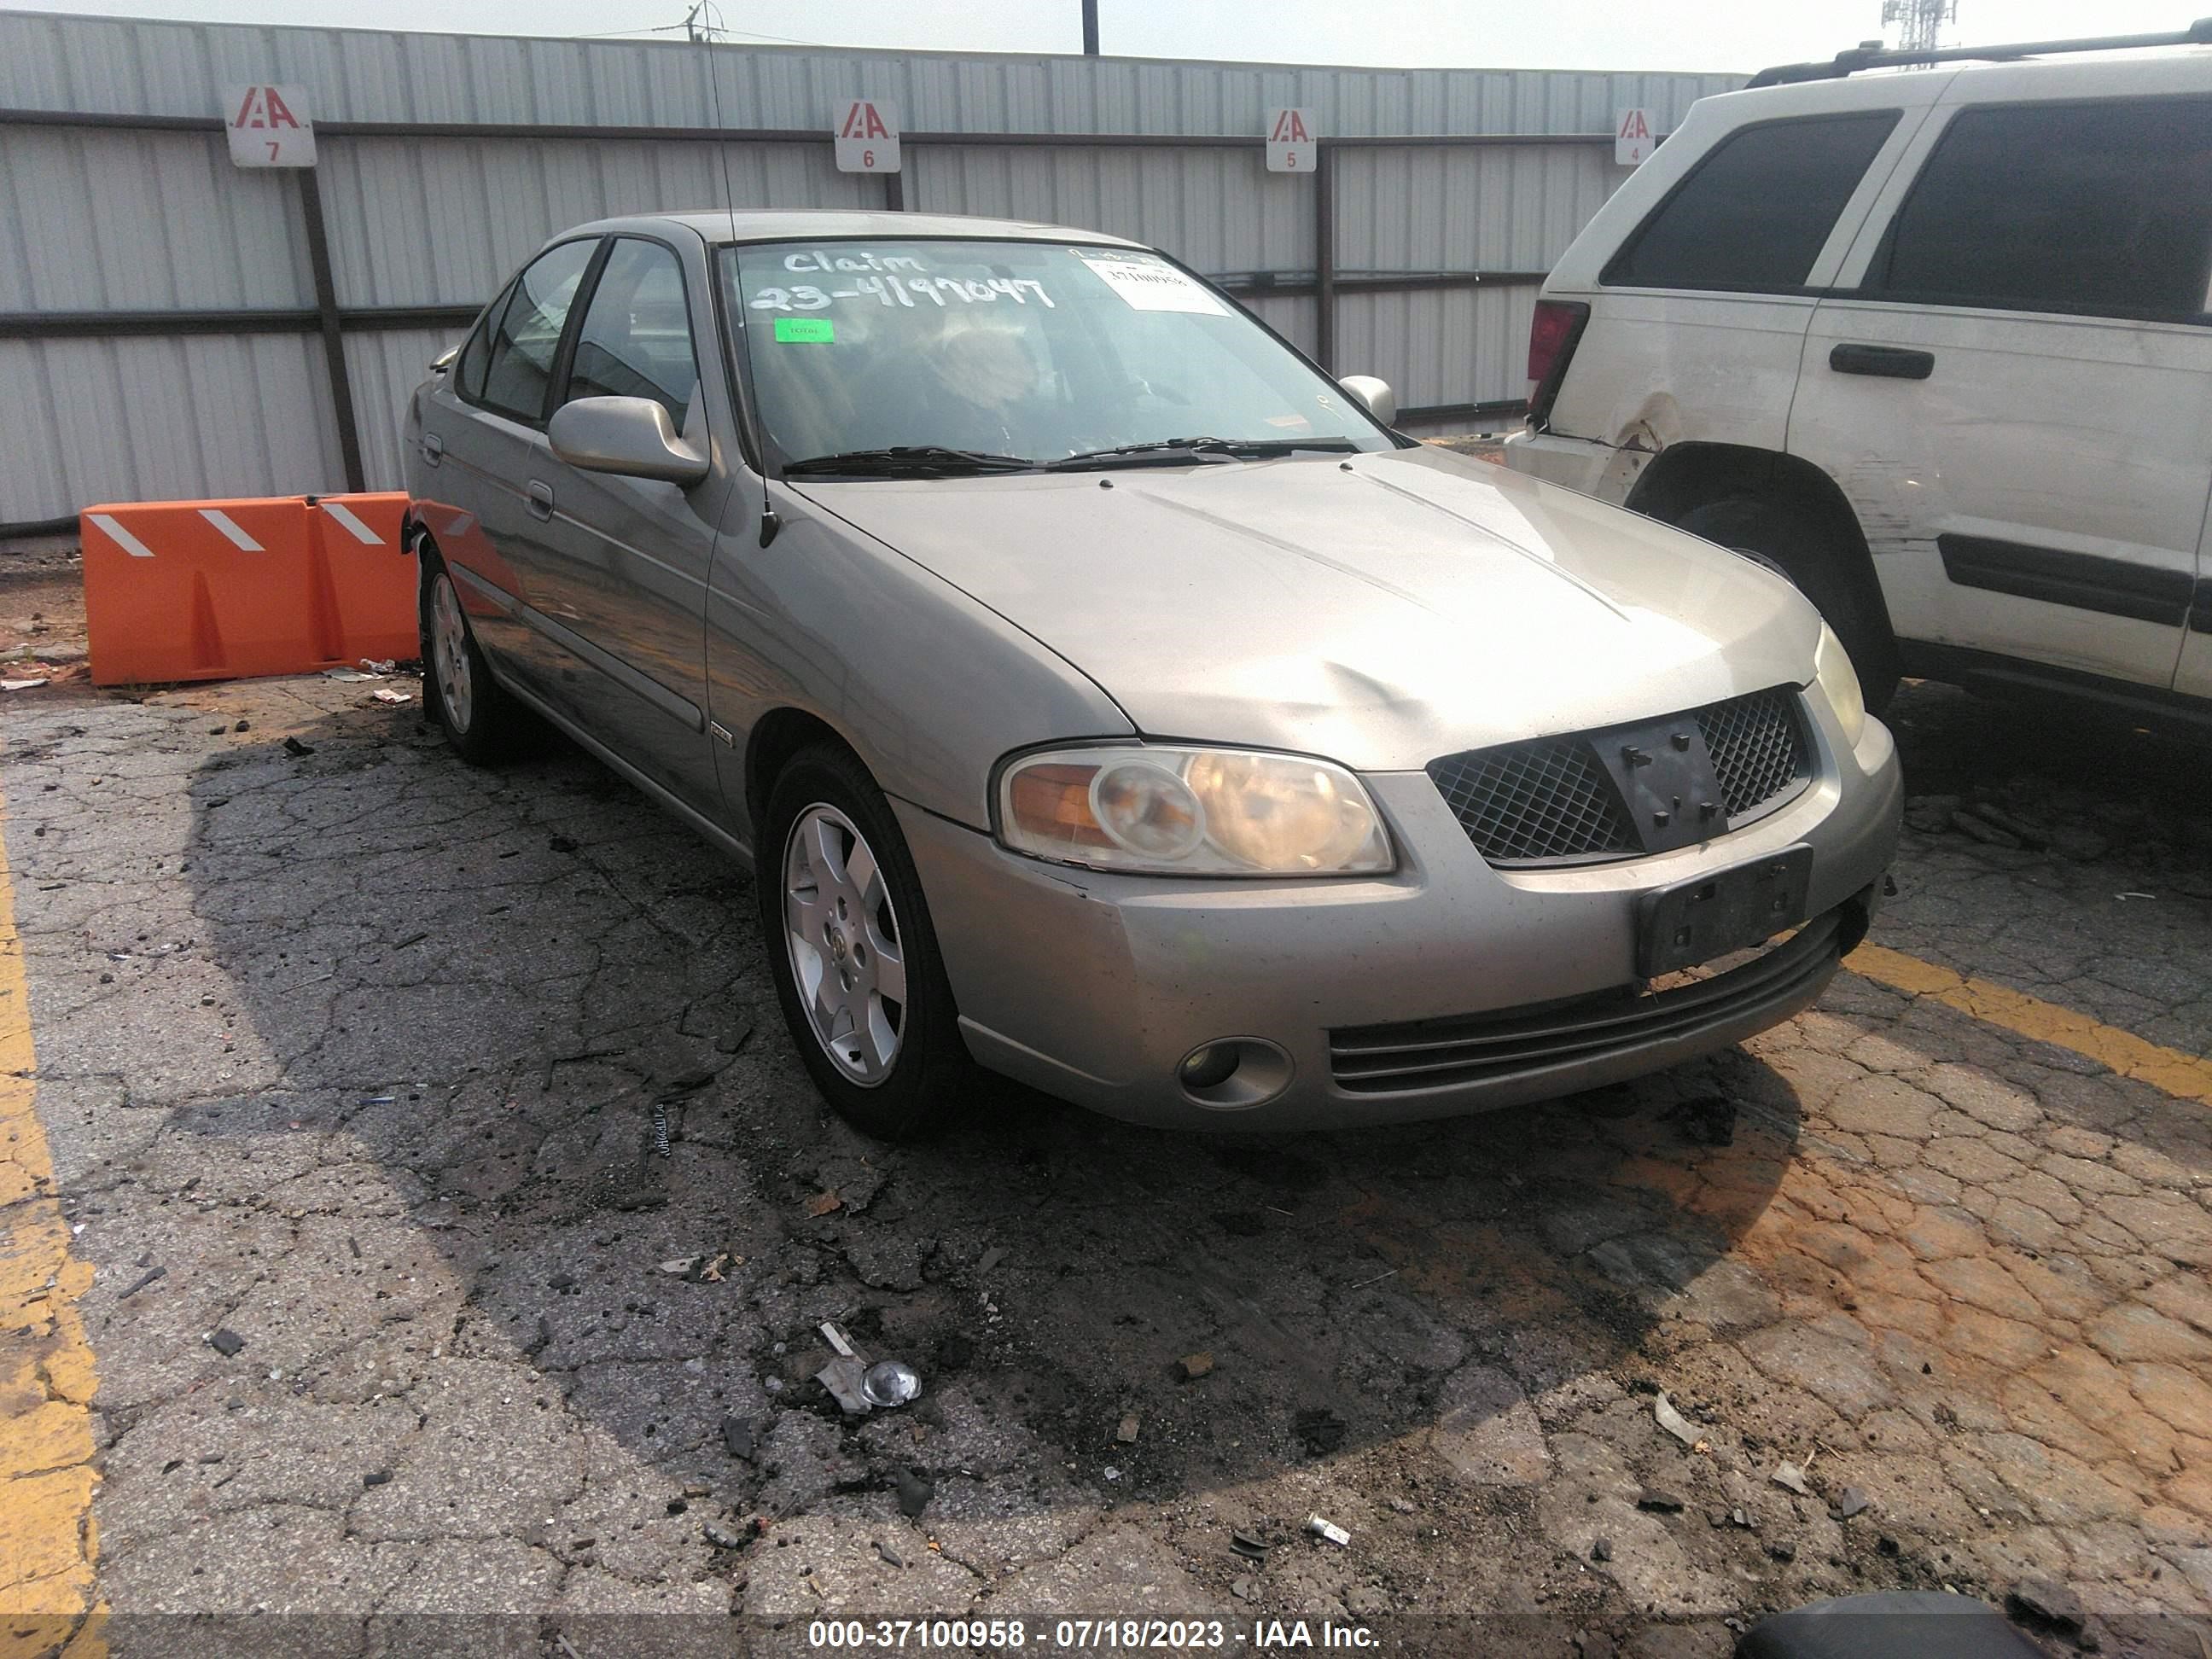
(768, 225)
(2146, 72)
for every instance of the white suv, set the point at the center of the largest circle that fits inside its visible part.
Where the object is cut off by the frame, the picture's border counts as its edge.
(1936, 344)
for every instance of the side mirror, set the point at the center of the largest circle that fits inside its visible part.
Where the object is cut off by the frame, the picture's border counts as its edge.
(1382, 402)
(444, 359)
(632, 437)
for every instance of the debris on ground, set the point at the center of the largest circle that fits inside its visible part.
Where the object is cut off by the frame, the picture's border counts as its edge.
(682, 1264)
(1247, 1547)
(142, 1282)
(823, 1204)
(916, 1489)
(1126, 1432)
(1790, 1476)
(1320, 1527)
(1242, 1587)
(891, 1383)
(723, 1538)
(225, 1342)
(1664, 1503)
(20, 685)
(1192, 1366)
(1663, 1413)
(1319, 1431)
(294, 746)
(847, 1379)
(891, 1556)
(1601, 1549)
(741, 1437)
(1852, 1502)
(386, 694)
(992, 1258)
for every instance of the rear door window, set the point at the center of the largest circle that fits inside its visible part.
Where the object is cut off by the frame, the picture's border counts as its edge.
(528, 333)
(2097, 209)
(1756, 212)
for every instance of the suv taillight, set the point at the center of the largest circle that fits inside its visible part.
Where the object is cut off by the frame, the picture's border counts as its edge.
(1552, 333)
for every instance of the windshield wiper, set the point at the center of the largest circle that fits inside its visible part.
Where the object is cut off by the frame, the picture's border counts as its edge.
(930, 458)
(1171, 451)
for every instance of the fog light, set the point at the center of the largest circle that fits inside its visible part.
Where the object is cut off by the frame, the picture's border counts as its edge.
(1208, 1065)
(1230, 1075)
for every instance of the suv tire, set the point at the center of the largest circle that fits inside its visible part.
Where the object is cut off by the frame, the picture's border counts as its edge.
(1808, 551)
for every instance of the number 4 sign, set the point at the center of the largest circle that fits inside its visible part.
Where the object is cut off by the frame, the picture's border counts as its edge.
(1632, 139)
(1290, 142)
(269, 127)
(867, 135)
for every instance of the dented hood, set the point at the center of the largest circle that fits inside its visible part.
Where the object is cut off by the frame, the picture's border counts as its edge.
(1378, 609)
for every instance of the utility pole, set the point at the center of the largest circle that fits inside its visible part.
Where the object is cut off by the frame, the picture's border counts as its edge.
(1090, 29)
(1923, 21)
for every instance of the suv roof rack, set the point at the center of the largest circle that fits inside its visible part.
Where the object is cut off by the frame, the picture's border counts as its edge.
(1872, 56)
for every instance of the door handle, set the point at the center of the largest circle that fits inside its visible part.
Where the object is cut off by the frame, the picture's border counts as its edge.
(541, 499)
(433, 448)
(1890, 363)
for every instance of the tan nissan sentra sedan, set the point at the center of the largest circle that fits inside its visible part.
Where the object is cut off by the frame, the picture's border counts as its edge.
(1106, 697)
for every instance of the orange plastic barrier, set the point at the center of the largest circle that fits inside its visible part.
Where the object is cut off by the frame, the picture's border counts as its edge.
(229, 590)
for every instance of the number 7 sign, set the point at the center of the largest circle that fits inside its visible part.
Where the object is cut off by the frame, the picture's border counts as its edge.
(269, 127)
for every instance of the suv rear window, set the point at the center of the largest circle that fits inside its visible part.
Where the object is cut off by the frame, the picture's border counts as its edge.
(1755, 213)
(2103, 208)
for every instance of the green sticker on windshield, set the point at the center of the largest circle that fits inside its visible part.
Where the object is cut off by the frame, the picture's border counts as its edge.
(808, 330)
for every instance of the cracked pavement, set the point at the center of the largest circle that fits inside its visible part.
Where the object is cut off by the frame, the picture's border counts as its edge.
(447, 1093)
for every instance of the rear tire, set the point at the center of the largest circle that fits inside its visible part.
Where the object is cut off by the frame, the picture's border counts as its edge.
(482, 722)
(1810, 552)
(855, 959)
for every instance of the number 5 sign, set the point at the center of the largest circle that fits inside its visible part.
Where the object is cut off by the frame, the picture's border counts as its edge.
(269, 127)
(867, 135)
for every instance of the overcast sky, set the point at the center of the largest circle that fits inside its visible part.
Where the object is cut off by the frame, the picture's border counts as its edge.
(1612, 34)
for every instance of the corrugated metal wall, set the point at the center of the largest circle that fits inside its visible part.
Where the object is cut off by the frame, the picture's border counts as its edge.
(97, 219)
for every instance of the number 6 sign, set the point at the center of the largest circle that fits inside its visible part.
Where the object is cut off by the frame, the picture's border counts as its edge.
(867, 135)
(269, 127)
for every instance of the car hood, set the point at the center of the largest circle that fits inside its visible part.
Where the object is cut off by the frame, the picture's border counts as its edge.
(1379, 610)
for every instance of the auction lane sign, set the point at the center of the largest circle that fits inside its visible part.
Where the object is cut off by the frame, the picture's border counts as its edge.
(867, 135)
(269, 127)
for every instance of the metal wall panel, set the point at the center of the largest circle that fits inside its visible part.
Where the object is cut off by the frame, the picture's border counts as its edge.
(1441, 346)
(143, 221)
(440, 222)
(49, 61)
(162, 418)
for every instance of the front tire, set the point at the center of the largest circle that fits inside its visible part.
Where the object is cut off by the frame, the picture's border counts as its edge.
(855, 959)
(1807, 551)
(481, 722)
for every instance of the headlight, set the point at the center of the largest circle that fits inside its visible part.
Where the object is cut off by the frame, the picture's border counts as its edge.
(1192, 812)
(1831, 666)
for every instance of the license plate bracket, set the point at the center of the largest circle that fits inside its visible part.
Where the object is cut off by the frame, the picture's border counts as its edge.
(1725, 910)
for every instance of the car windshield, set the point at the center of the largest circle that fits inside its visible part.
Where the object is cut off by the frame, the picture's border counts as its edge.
(1013, 352)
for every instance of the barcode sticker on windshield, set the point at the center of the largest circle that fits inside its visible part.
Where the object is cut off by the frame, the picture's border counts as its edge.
(811, 331)
(1148, 284)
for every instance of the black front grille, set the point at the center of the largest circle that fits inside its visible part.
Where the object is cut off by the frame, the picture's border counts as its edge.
(1757, 750)
(1552, 801)
(1439, 1053)
(1533, 802)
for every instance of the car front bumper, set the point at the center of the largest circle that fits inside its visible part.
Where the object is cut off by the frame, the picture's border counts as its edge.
(1094, 986)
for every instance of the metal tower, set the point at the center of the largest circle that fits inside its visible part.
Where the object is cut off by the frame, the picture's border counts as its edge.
(1922, 21)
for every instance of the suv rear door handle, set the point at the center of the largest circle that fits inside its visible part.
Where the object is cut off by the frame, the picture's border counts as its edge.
(433, 448)
(1891, 362)
(541, 499)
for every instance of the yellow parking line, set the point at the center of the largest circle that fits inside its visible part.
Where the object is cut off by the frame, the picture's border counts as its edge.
(47, 1546)
(2186, 1077)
